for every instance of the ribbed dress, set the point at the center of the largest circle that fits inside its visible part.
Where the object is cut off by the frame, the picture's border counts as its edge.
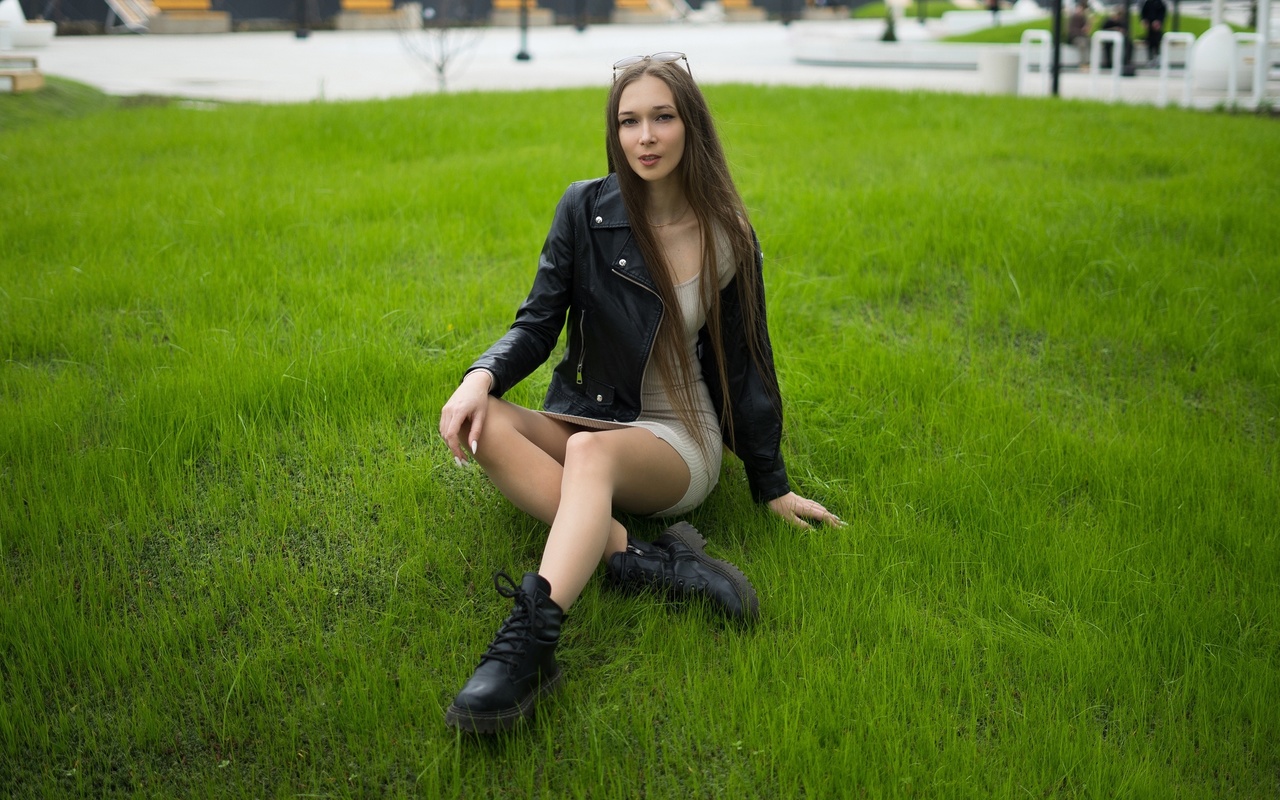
(658, 416)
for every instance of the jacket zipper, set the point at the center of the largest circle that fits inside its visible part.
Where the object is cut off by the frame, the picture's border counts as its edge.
(582, 332)
(661, 313)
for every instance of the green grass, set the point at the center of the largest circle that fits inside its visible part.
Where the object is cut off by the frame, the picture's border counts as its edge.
(59, 99)
(1012, 33)
(1032, 360)
(932, 8)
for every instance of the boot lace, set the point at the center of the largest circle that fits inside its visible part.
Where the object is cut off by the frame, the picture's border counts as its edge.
(514, 635)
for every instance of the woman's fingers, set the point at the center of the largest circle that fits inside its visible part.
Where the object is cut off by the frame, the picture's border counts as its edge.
(450, 425)
(464, 414)
(453, 421)
(796, 509)
(473, 433)
(819, 512)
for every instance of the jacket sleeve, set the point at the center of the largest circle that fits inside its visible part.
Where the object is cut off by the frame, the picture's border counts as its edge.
(533, 335)
(756, 436)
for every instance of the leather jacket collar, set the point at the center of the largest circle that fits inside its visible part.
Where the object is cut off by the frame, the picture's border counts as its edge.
(608, 209)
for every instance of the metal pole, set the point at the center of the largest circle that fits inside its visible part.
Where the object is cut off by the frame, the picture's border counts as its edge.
(1056, 58)
(523, 55)
(1126, 49)
(303, 29)
(1262, 64)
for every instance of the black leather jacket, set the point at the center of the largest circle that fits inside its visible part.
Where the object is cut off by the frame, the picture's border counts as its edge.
(591, 272)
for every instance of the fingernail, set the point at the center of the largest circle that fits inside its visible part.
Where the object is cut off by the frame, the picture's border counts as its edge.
(475, 446)
(458, 460)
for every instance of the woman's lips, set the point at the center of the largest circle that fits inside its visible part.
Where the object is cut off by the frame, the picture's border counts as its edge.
(649, 160)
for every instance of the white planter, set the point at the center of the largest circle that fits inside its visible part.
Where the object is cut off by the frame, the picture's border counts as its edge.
(1211, 59)
(998, 70)
(22, 33)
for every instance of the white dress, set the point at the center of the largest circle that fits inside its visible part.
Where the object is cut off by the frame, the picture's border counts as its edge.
(657, 414)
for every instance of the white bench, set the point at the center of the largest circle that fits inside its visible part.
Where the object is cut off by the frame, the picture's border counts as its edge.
(21, 32)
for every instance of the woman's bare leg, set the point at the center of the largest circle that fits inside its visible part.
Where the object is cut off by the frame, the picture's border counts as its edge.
(572, 479)
(631, 469)
(522, 452)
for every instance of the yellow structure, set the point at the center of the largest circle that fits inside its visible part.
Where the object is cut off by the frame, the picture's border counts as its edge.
(742, 11)
(375, 15)
(639, 12)
(507, 12)
(648, 11)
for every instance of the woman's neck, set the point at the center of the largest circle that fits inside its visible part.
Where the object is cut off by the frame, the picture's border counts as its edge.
(665, 204)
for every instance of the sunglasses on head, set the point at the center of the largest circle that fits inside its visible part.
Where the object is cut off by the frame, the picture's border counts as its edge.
(658, 58)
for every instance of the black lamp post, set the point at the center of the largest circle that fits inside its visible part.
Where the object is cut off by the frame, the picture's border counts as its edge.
(1126, 51)
(523, 55)
(1056, 58)
(303, 29)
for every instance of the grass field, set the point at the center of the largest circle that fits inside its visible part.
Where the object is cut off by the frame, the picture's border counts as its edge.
(1011, 33)
(932, 9)
(1030, 351)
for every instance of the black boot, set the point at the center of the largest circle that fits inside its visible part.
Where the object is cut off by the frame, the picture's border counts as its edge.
(519, 666)
(678, 564)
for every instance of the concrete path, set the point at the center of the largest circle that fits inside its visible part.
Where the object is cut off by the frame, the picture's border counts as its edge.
(331, 65)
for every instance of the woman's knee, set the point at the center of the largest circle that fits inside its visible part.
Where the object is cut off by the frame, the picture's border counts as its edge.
(588, 452)
(508, 424)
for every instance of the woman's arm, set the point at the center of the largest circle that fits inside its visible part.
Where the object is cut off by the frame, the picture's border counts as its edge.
(754, 430)
(757, 411)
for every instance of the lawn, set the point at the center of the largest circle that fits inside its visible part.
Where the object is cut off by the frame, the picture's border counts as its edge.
(1030, 351)
(932, 9)
(1011, 33)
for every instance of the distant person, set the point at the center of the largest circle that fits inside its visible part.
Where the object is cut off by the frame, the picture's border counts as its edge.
(658, 275)
(1153, 16)
(1078, 28)
(1117, 20)
(994, 7)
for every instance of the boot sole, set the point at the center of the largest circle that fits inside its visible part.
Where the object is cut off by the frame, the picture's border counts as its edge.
(499, 721)
(695, 541)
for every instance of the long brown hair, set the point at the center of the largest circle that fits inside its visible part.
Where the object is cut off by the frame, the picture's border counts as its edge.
(709, 189)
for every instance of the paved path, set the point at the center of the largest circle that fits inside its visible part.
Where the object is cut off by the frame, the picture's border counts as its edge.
(331, 65)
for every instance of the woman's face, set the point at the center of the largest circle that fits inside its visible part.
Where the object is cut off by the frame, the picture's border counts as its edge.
(650, 129)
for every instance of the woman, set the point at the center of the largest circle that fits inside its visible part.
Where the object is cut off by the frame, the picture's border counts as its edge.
(658, 274)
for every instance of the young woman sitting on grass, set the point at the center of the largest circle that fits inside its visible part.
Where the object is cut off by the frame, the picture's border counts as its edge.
(658, 273)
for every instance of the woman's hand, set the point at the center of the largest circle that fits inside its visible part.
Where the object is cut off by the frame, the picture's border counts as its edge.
(463, 415)
(796, 509)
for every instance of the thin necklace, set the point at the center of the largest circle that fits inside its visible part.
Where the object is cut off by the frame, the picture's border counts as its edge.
(674, 221)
